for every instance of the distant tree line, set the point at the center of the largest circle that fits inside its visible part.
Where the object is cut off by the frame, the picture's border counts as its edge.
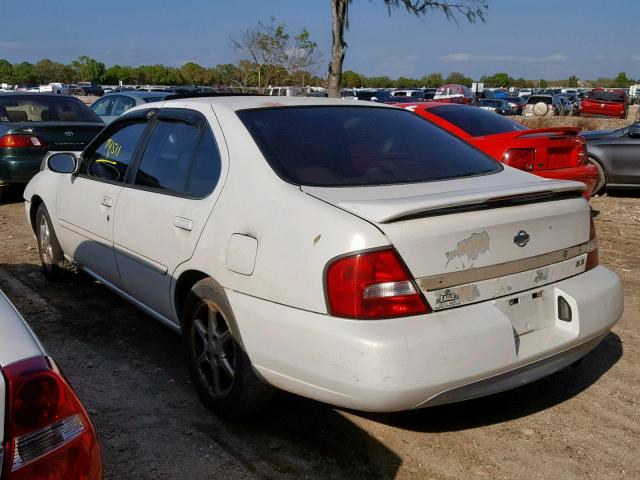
(251, 74)
(353, 79)
(241, 74)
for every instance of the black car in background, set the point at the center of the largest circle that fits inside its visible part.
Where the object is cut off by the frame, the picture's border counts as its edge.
(31, 124)
(616, 153)
(517, 103)
(90, 88)
(498, 105)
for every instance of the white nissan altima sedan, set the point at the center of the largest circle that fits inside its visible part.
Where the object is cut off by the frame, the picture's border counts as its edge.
(44, 430)
(349, 252)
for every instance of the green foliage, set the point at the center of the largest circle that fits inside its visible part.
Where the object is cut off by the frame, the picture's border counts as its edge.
(498, 80)
(457, 77)
(87, 69)
(572, 81)
(432, 80)
(6, 71)
(23, 73)
(352, 79)
(622, 80)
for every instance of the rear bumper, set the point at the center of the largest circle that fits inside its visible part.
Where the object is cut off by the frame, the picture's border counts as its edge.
(406, 363)
(19, 169)
(597, 112)
(587, 174)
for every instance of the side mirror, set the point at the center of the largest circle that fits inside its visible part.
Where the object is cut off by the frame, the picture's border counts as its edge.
(62, 162)
(634, 131)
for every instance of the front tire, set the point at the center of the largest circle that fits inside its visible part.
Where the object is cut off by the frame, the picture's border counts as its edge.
(219, 367)
(51, 256)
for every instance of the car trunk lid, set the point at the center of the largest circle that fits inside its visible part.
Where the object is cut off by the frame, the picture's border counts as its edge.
(464, 243)
(60, 136)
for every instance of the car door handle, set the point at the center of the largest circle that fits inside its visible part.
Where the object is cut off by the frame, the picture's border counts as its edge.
(183, 223)
(106, 201)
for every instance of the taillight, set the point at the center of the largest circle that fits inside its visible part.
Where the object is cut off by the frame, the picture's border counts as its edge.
(592, 256)
(372, 285)
(583, 158)
(13, 140)
(520, 158)
(47, 433)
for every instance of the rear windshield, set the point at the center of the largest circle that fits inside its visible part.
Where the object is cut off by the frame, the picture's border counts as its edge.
(475, 121)
(606, 96)
(35, 108)
(533, 99)
(357, 146)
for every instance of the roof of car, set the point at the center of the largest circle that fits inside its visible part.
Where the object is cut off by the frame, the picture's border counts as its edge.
(138, 93)
(250, 102)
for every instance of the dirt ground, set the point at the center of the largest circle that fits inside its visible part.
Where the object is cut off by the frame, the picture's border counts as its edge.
(583, 422)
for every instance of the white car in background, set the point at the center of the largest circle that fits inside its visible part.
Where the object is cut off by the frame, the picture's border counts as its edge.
(352, 253)
(44, 430)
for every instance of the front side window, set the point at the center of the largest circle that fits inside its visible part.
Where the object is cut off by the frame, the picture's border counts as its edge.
(109, 161)
(357, 146)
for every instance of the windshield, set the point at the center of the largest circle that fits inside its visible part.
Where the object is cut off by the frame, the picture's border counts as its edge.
(358, 146)
(475, 121)
(35, 108)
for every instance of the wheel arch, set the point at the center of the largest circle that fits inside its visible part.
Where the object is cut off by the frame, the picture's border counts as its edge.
(185, 282)
(34, 204)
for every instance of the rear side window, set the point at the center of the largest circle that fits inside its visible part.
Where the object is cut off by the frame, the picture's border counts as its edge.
(109, 161)
(205, 170)
(357, 146)
(102, 106)
(122, 104)
(180, 158)
(475, 121)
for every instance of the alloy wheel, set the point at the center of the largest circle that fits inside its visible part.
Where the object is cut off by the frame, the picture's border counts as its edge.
(213, 350)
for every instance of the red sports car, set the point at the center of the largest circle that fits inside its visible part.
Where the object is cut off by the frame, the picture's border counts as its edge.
(558, 153)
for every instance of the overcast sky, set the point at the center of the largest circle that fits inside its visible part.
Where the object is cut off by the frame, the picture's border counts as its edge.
(550, 39)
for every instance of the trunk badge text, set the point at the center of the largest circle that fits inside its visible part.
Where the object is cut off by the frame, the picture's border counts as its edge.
(521, 239)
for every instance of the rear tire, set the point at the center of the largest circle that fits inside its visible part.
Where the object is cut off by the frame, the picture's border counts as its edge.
(51, 256)
(220, 369)
(602, 177)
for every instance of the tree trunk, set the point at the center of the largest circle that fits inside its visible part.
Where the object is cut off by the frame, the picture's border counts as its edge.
(339, 22)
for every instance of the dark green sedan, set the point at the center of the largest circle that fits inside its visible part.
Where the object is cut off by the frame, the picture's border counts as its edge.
(31, 124)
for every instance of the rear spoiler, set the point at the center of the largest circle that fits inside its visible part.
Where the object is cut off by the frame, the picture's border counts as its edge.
(404, 208)
(553, 131)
